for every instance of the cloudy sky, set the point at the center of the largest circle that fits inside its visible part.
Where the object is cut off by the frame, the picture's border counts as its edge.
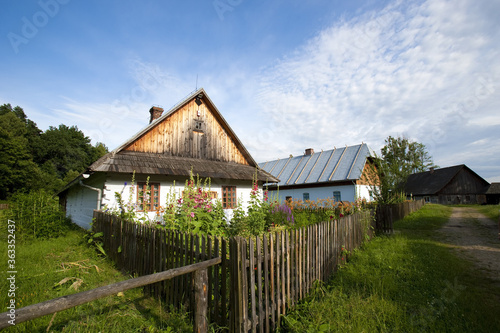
(286, 75)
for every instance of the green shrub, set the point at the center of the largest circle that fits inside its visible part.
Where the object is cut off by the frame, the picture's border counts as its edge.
(36, 215)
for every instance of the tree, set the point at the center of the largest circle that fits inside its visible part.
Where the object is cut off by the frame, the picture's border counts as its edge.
(31, 159)
(17, 169)
(400, 157)
(63, 149)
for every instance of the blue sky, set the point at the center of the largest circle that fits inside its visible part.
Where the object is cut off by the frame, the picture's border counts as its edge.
(286, 75)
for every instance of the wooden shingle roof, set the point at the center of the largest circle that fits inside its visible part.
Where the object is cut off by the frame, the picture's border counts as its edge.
(162, 164)
(433, 181)
(494, 188)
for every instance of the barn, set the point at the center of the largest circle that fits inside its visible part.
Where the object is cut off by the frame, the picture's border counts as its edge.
(451, 185)
(342, 174)
(194, 137)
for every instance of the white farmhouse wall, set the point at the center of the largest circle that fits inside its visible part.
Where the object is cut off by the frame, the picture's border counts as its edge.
(347, 193)
(168, 185)
(81, 202)
(363, 192)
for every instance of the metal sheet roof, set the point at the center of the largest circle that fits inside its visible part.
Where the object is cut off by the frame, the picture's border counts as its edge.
(339, 164)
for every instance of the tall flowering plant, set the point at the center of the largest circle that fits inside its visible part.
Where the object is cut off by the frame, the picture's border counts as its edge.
(127, 210)
(257, 210)
(256, 220)
(195, 210)
(280, 215)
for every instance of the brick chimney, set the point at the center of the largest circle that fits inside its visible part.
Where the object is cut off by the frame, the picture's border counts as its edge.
(155, 112)
(309, 151)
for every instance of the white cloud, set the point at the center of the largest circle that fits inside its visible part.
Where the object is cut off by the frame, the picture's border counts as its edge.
(410, 69)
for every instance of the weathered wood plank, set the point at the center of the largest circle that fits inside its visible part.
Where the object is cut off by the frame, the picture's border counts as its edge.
(272, 273)
(259, 278)
(224, 287)
(201, 300)
(267, 293)
(288, 269)
(283, 276)
(252, 268)
(278, 278)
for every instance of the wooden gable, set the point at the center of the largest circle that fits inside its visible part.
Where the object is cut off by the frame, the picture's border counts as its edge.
(193, 131)
(465, 181)
(369, 176)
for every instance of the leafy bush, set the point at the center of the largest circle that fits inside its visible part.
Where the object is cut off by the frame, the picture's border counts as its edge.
(37, 215)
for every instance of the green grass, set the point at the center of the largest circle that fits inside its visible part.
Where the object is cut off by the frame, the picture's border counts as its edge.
(41, 265)
(408, 282)
(491, 211)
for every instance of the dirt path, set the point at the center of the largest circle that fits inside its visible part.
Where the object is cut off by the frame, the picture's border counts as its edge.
(476, 238)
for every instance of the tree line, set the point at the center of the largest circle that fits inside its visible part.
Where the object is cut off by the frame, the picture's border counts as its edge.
(32, 159)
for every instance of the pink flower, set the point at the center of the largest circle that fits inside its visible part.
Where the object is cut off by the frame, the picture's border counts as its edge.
(192, 214)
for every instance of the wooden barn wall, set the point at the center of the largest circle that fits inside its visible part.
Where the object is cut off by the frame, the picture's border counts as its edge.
(176, 135)
(465, 183)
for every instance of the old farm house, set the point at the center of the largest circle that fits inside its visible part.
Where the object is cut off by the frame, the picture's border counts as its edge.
(193, 135)
(451, 185)
(341, 173)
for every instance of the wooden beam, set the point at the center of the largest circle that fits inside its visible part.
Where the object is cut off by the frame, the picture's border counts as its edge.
(65, 302)
(201, 300)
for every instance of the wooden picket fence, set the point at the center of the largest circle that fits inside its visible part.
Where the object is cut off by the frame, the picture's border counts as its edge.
(274, 272)
(141, 249)
(258, 279)
(386, 215)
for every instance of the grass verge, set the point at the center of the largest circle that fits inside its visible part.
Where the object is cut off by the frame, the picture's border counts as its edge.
(408, 282)
(491, 211)
(48, 269)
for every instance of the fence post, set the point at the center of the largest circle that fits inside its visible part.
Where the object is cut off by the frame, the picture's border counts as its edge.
(201, 300)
